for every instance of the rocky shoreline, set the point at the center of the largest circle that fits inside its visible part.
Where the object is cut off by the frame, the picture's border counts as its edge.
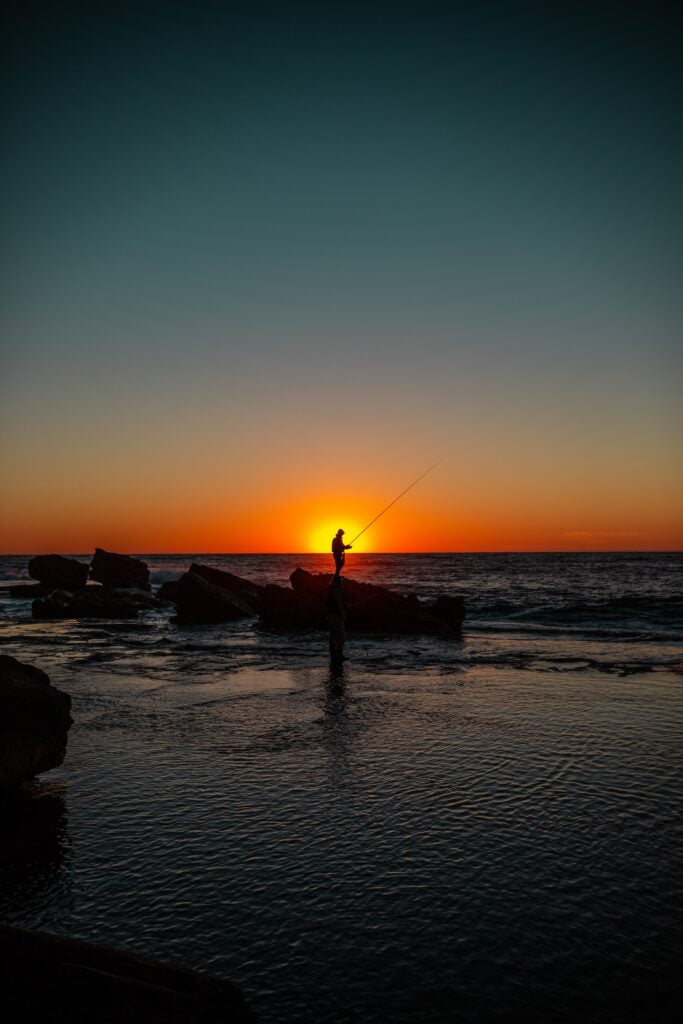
(117, 586)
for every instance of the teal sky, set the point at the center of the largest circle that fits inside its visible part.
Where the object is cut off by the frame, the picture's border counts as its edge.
(241, 237)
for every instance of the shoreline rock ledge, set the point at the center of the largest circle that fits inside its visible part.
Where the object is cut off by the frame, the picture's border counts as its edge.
(35, 719)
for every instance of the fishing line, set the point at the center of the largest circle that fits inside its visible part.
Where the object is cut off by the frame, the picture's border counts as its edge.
(410, 486)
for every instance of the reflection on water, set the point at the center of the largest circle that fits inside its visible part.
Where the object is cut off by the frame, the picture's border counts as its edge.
(34, 847)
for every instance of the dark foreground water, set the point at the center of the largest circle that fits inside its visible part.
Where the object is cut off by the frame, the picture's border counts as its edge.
(484, 829)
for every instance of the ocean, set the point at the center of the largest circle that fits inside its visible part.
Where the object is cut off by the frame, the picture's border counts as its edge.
(472, 829)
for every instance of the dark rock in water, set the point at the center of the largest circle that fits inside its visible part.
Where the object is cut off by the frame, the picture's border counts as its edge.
(227, 581)
(58, 571)
(56, 980)
(199, 601)
(371, 608)
(90, 603)
(30, 590)
(280, 606)
(119, 570)
(392, 613)
(34, 722)
(450, 610)
(167, 591)
(54, 606)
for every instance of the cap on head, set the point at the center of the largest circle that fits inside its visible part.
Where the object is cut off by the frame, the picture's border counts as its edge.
(339, 532)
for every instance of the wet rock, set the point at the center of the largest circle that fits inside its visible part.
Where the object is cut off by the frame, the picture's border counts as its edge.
(392, 613)
(371, 608)
(30, 590)
(90, 603)
(450, 610)
(167, 591)
(199, 601)
(34, 722)
(119, 570)
(282, 607)
(53, 979)
(54, 606)
(58, 571)
(228, 581)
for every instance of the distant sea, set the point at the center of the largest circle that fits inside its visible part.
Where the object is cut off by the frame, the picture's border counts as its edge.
(474, 829)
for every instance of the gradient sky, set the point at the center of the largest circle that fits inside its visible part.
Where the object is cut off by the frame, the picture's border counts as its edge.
(260, 270)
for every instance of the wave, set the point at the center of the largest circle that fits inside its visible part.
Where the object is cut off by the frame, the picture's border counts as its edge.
(165, 575)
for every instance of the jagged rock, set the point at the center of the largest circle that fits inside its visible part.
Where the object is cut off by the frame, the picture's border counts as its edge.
(392, 613)
(227, 581)
(199, 601)
(371, 608)
(34, 722)
(119, 570)
(167, 591)
(30, 590)
(54, 606)
(90, 603)
(58, 571)
(54, 979)
(280, 606)
(450, 610)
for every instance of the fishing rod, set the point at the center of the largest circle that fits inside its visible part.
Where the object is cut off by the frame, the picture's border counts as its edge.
(410, 486)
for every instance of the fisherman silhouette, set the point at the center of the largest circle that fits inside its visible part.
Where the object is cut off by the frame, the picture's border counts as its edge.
(335, 607)
(339, 549)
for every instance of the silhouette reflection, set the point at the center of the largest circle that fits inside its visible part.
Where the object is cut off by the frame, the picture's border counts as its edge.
(339, 728)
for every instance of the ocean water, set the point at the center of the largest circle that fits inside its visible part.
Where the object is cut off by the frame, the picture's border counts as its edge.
(482, 828)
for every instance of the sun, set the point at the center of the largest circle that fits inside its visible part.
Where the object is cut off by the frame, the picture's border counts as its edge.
(320, 541)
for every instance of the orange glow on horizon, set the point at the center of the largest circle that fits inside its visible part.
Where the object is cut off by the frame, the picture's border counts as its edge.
(459, 509)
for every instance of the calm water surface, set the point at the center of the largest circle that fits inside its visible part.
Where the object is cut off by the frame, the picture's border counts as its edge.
(483, 829)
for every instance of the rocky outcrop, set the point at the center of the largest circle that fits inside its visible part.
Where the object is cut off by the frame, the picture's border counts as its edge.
(199, 601)
(119, 570)
(51, 978)
(297, 609)
(58, 571)
(34, 722)
(167, 591)
(450, 610)
(244, 588)
(370, 608)
(90, 603)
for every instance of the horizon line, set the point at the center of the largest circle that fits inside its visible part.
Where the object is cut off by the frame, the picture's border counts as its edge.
(362, 554)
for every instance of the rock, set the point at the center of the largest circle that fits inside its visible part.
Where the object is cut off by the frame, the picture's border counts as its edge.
(34, 722)
(49, 978)
(227, 581)
(371, 608)
(167, 591)
(141, 599)
(280, 606)
(392, 613)
(90, 603)
(30, 590)
(199, 601)
(54, 606)
(119, 570)
(58, 571)
(450, 610)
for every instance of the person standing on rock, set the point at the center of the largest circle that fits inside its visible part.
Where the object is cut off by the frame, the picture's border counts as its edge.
(336, 614)
(339, 549)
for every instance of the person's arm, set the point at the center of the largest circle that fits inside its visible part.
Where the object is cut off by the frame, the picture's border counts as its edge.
(347, 547)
